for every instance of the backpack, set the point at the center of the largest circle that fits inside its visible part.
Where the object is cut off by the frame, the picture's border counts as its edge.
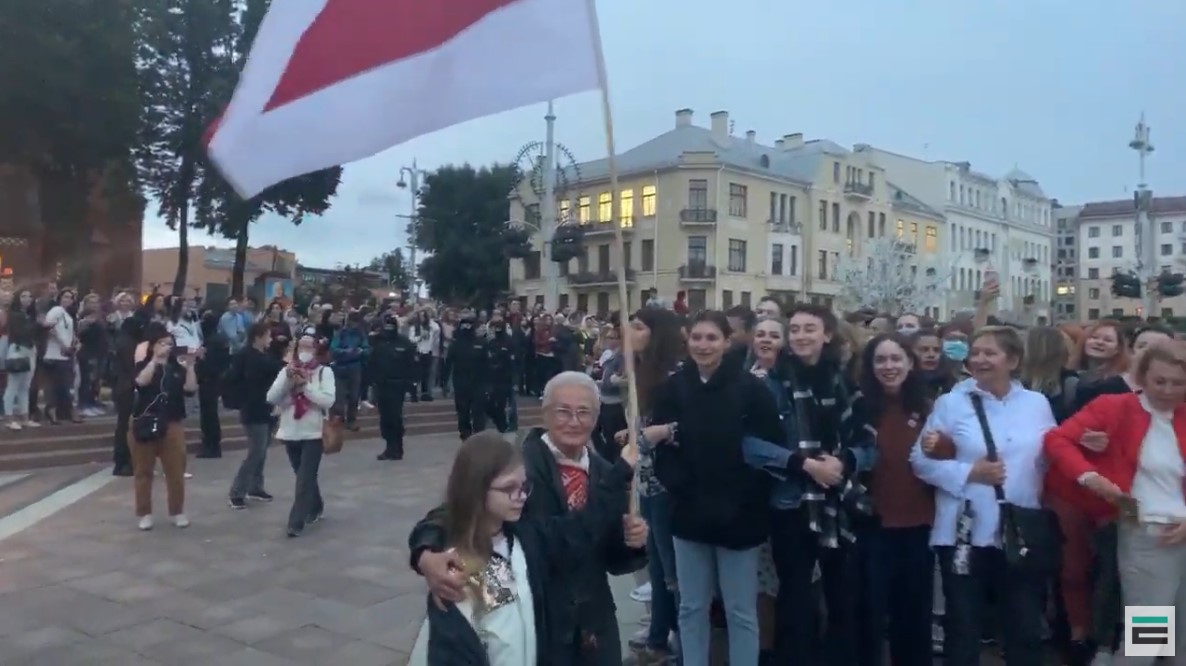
(232, 382)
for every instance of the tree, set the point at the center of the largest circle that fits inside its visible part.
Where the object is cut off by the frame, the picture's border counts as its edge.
(392, 263)
(889, 276)
(462, 223)
(70, 110)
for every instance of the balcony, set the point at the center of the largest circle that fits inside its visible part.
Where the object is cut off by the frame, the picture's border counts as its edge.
(1029, 264)
(697, 273)
(598, 229)
(697, 217)
(858, 191)
(599, 278)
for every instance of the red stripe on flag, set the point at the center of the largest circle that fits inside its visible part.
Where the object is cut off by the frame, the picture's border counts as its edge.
(350, 37)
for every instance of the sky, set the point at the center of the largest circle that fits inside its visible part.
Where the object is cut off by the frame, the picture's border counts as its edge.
(1053, 87)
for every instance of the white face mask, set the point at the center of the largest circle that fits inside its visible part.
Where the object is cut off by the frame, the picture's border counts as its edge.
(305, 356)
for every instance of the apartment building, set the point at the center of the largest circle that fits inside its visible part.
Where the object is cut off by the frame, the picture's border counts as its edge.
(268, 272)
(1000, 223)
(1066, 261)
(725, 219)
(1106, 232)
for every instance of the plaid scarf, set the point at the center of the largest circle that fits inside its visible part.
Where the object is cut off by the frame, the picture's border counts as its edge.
(828, 509)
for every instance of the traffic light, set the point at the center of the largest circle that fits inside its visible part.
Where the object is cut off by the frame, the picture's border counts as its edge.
(1170, 284)
(1126, 285)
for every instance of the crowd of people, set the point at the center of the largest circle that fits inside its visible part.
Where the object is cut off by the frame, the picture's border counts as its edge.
(865, 490)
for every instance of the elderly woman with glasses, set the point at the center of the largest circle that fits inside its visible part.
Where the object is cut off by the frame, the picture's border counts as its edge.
(564, 473)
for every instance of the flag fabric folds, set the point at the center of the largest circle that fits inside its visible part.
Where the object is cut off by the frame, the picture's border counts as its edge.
(332, 81)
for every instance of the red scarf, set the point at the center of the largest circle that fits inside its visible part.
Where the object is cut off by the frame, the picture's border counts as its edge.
(300, 401)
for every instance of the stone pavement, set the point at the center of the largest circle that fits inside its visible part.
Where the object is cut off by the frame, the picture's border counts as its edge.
(85, 587)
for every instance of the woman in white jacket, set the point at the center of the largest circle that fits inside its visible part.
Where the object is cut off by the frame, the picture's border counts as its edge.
(304, 392)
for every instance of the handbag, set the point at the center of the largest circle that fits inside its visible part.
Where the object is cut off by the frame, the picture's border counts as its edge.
(1030, 538)
(149, 426)
(17, 364)
(332, 434)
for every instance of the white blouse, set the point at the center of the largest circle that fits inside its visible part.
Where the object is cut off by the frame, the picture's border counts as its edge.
(1157, 485)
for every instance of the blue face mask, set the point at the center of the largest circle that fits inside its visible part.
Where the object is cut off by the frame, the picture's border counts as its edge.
(956, 350)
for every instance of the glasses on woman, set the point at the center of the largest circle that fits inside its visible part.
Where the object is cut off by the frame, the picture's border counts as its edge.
(515, 491)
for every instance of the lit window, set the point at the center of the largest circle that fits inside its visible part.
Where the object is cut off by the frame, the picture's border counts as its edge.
(605, 207)
(563, 209)
(931, 244)
(901, 228)
(648, 201)
(583, 210)
(626, 207)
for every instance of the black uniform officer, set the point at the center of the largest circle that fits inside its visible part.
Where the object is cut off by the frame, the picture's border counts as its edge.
(394, 366)
(471, 377)
(503, 362)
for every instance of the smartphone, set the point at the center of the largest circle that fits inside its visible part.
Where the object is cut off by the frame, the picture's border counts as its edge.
(181, 351)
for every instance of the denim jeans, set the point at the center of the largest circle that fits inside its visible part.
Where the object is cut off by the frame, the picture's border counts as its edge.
(700, 569)
(305, 457)
(656, 510)
(250, 477)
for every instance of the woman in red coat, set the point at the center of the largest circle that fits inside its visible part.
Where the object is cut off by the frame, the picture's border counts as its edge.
(1132, 469)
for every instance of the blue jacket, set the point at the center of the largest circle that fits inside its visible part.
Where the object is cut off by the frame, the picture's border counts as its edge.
(350, 344)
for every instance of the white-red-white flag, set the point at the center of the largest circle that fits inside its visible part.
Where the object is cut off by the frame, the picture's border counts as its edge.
(332, 81)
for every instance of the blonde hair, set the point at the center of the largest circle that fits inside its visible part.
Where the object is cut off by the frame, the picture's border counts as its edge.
(1007, 338)
(1046, 355)
(1171, 352)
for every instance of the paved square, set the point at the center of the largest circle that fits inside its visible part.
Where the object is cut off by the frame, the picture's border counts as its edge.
(84, 586)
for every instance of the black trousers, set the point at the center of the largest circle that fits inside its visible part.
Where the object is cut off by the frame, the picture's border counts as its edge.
(211, 425)
(796, 551)
(425, 368)
(469, 402)
(122, 455)
(497, 404)
(389, 400)
(610, 421)
(1019, 609)
(897, 574)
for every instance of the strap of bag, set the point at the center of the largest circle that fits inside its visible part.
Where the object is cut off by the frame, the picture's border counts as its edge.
(978, 405)
(160, 394)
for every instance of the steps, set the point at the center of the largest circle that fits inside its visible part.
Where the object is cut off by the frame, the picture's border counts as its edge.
(91, 442)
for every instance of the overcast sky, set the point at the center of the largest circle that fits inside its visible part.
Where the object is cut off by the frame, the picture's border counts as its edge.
(1051, 86)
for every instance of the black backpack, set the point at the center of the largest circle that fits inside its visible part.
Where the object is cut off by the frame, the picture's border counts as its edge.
(232, 382)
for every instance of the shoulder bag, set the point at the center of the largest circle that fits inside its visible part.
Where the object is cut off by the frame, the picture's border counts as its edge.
(149, 426)
(333, 430)
(1031, 538)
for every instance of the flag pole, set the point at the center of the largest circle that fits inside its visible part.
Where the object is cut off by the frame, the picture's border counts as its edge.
(632, 415)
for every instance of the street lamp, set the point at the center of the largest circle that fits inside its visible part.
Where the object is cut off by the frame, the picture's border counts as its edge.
(409, 178)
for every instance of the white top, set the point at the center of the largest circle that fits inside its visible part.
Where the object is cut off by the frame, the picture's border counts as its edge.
(427, 340)
(61, 334)
(507, 632)
(1018, 422)
(186, 334)
(319, 389)
(1157, 485)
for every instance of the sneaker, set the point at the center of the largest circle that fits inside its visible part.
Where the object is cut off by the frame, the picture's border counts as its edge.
(13, 425)
(180, 521)
(146, 522)
(32, 424)
(937, 638)
(641, 594)
(294, 532)
(237, 503)
(315, 517)
(261, 496)
(187, 475)
(639, 640)
(366, 404)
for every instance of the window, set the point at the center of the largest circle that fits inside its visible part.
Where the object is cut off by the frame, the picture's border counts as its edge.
(1093, 273)
(603, 303)
(773, 207)
(726, 299)
(738, 200)
(531, 266)
(823, 215)
(563, 209)
(1117, 312)
(698, 194)
(603, 265)
(1166, 249)
(626, 208)
(1093, 231)
(1167, 227)
(627, 252)
(1117, 251)
(835, 263)
(1093, 293)
(737, 251)
(794, 260)
(872, 224)
(697, 300)
(697, 250)
(583, 210)
(901, 229)
(648, 201)
(776, 259)
(605, 207)
(583, 302)
(931, 244)
(1093, 314)
(1117, 230)
(563, 301)
(583, 260)
(822, 268)
(1093, 253)
(836, 172)
(792, 202)
(746, 297)
(881, 224)
(564, 268)
(914, 232)
(648, 255)
(782, 208)
(532, 213)
(836, 218)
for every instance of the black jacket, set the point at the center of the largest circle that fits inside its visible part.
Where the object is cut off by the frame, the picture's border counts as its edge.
(503, 360)
(471, 362)
(255, 371)
(551, 545)
(716, 497)
(393, 360)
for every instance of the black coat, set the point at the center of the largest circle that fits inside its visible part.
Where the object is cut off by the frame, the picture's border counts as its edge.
(551, 546)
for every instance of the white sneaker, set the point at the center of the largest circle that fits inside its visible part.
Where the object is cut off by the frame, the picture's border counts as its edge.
(641, 594)
(146, 522)
(187, 475)
(180, 521)
(366, 404)
(13, 425)
(32, 424)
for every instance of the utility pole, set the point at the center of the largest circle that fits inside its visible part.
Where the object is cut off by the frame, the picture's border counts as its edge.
(1145, 238)
(550, 270)
(412, 183)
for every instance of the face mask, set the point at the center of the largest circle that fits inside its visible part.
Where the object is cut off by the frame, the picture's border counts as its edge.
(956, 350)
(305, 356)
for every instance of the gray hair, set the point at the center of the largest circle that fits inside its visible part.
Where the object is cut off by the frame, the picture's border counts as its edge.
(572, 378)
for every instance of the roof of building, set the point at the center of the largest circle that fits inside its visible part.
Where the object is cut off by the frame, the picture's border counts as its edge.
(903, 199)
(1120, 207)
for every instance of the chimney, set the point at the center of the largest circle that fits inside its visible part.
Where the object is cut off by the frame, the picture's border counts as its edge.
(683, 118)
(720, 126)
(778, 144)
(750, 137)
(792, 141)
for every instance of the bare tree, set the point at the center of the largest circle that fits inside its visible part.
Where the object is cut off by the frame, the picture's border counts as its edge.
(889, 275)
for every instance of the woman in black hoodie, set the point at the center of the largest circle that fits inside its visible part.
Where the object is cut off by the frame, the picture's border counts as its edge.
(719, 503)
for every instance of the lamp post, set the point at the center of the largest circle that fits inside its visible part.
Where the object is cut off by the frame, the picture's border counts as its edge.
(1143, 197)
(409, 177)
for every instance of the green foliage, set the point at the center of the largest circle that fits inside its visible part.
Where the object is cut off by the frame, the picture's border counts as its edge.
(462, 223)
(394, 265)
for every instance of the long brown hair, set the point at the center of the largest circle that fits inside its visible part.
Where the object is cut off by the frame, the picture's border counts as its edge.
(1116, 365)
(663, 353)
(481, 459)
(1046, 356)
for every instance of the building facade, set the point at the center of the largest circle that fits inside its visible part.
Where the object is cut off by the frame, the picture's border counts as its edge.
(724, 219)
(1107, 244)
(1002, 224)
(268, 273)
